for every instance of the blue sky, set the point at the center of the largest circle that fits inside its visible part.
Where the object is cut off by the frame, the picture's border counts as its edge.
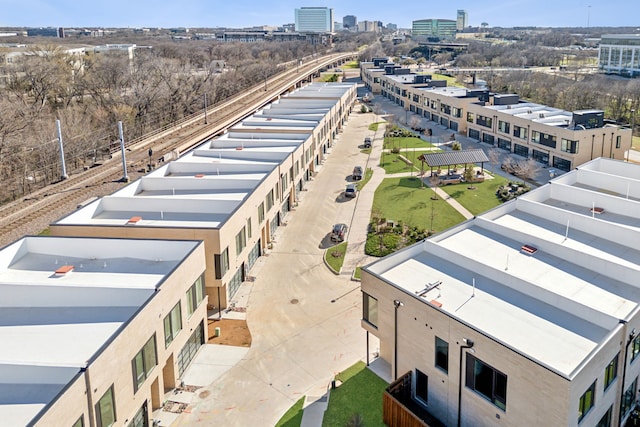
(212, 13)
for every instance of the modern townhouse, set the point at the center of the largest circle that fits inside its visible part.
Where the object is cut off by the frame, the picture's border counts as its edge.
(525, 315)
(232, 192)
(96, 331)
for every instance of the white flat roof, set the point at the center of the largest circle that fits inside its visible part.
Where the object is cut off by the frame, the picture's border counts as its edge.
(213, 180)
(52, 322)
(555, 305)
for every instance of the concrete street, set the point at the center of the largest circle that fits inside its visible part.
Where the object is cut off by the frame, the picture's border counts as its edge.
(304, 320)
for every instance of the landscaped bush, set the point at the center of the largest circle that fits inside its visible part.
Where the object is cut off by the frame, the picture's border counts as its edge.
(384, 238)
(394, 131)
(512, 190)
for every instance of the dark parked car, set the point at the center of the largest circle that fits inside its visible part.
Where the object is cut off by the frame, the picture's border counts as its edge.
(338, 232)
(367, 142)
(351, 190)
(357, 173)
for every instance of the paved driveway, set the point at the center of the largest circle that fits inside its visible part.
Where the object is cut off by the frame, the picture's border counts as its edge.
(304, 320)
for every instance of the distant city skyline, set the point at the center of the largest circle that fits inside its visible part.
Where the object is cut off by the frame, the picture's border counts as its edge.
(201, 13)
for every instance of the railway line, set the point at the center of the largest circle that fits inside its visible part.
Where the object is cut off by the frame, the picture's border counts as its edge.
(33, 213)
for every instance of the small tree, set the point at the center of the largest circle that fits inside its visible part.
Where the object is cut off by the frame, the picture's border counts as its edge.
(528, 169)
(456, 146)
(494, 157)
(469, 173)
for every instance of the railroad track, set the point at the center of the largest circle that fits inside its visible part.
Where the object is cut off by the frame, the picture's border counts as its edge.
(34, 212)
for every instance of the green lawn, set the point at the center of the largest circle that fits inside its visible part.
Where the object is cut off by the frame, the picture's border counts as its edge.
(293, 417)
(392, 164)
(479, 200)
(636, 143)
(358, 273)
(336, 261)
(402, 199)
(374, 126)
(351, 64)
(360, 393)
(406, 142)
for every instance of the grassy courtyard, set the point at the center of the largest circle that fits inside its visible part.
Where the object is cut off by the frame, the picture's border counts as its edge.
(403, 200)
(480, 199)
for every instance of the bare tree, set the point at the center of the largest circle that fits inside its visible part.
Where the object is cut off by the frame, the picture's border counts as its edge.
(528, 169)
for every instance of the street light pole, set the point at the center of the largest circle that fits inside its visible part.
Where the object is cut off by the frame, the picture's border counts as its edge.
(206, 121)
(633, 117)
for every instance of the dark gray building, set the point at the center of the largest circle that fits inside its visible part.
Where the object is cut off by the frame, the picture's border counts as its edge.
(349, 21)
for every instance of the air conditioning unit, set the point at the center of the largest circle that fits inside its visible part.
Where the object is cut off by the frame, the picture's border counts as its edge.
(541, 115)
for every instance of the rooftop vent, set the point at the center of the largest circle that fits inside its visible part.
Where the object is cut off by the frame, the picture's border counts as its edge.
(64, 270)
(529, 249)
(134, 220)
(200, 175)
(541, 115)
(529, 112)
(429, 287)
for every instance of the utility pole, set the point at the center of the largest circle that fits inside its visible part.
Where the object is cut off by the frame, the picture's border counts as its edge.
(125, 177)
(64, 167)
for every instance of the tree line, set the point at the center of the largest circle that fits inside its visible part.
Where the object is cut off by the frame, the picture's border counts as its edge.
(89, 93)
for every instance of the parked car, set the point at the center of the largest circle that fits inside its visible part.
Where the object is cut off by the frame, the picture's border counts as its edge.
(351, 190)
(357, 173)
(338, 232)
(367, 142)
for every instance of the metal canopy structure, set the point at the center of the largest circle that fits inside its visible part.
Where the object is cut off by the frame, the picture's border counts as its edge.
(449, 158)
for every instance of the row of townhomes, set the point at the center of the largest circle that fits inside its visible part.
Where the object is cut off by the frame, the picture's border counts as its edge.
(102, 318)
(526, 315)
(554, 137)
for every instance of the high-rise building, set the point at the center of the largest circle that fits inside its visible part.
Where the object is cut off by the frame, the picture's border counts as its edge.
(349, 21)
(463, 20)
(314, 20)
(368, 26)
(620, 53)
(442, 28)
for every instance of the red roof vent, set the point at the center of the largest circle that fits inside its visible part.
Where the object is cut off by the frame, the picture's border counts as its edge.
(64, 270)
(436, 303)
(239, 148)
(597, 210)
(134, 220)
(529, 249)
(200, 175)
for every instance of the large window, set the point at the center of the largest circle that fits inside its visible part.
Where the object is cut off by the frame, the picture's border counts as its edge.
(543, 138)
(221, 263)
(470, 117)
(241, 241)
(503, 126)
(106, 409)
(172, 324)
(587, 401)
(484, 121)
(611, 372)
(144, 362)
(422, 387)
(261, 213)
(249, 227)
(635, 348)
(140, 419)
(605, 421)
(195, 295)
(628, 398)
(520, 132)
(474, 134)
(456, 112)
(269, 200)
(568, 146)
(487, 381)
(442, 354)
(370, 309)
(80, 422)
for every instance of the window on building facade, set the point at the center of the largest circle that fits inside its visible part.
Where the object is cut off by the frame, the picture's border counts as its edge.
(568, 146)
(261, 213)
(484, 121)
(106, 409)
(422, 387)
(587, 401)
(172, 324)
(543, 139)
(144, 362)
(195, 295)
(503, 126)
(610, 372)
(241, 241)
(269, 200)
(446, 109)
(370, 309)
(80, 422)
(519, 132)
(618, 141)
(628, 398)
(470, 117)
(442, 354)
(487, 381)
(605, 421)
(456, 112)
(141, 418)
(221, 263)
(434, 105)
(635, 348)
